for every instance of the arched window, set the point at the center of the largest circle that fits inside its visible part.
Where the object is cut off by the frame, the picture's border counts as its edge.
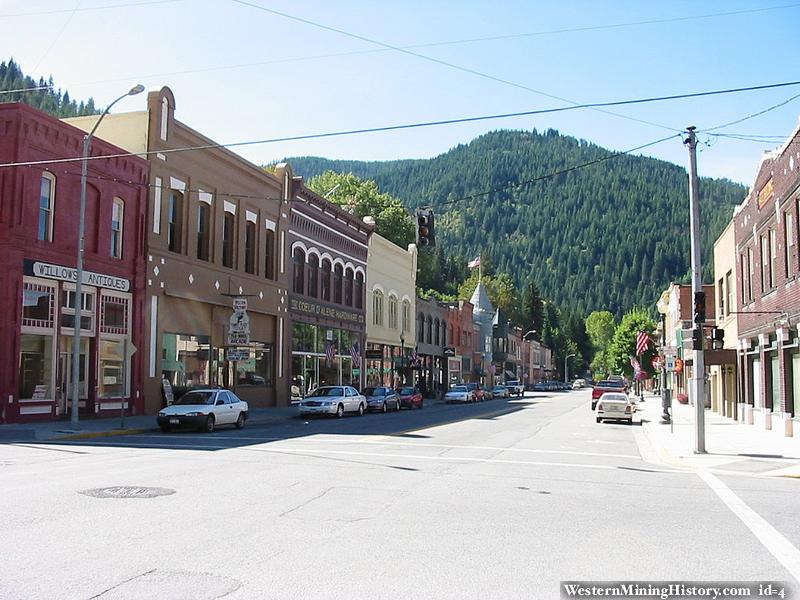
(450, 336)
(377, 308)
(421, 328)
(250, 247)
(117, 216)
(429, 330)
(337, 284)
(359, 292)
(436, 339)
(174, 212)
(326, 280)
(299, 260)
(47, 197)
(313, 274)
(228, 235)
(406, 316)
(348, 286)
(269, 255)
(392, 312)
(203, 230)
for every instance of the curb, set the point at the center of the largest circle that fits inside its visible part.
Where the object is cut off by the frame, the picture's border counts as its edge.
(98, 434)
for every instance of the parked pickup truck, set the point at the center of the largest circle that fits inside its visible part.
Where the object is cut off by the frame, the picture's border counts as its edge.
(515, 387)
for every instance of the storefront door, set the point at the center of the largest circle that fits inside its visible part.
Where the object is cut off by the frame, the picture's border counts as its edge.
(64, 375)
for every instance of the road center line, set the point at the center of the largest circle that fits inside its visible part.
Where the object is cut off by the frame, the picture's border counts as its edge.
(772, 539)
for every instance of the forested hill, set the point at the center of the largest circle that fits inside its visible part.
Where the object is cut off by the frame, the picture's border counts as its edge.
(46, 98)
(607, 236)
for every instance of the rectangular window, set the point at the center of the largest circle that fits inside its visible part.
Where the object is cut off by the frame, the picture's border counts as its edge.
(773, 258)
(788, 244)
(46, 194)
(117, 214)
(38, 307)
(765, 263)
(174, 221)
(203, 230)
(729, 291)
(228, 223)
(269, 255)
(185, 359)
(258, 370)
(36, 367)
(750, 274)
(68, 309)
(114, 312)
(250, 248)
(720, 299)
(110, 377)
(157, 206)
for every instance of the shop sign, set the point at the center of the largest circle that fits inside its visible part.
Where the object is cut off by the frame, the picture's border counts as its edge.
(238, 354)
(239, 324)
(315, 309)
(373, 354)
(449, 351)
(766, 193)
(62, 273)
(238, 339)
(356, 371)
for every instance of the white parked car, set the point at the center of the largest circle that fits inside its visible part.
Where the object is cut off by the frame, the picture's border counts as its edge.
(615, 406)
(333, 400)
(204, 409)
(459, 393)
(501, 391)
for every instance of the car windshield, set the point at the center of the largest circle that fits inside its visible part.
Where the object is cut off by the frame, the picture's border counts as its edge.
(471, 386)
(459, 388)
(614, 398)
(499, 388)
(327, 391)
(373, 391)
(196, 398)
(406, 391)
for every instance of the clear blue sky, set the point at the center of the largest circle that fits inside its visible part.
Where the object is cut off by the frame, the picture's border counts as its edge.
(240, 73)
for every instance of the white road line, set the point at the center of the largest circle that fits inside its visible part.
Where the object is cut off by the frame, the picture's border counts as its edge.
(772, 539)
(415, 445)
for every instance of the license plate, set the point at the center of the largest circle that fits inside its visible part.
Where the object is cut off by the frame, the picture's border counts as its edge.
(174, 421)
(612, 408)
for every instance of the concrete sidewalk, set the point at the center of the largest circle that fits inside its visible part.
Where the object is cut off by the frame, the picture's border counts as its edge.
(731, 447)
(93, 428)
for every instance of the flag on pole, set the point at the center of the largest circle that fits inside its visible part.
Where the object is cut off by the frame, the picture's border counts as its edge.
(475, 262)
(355, 353)
(635, 364)
(330, 352)
(642, 342)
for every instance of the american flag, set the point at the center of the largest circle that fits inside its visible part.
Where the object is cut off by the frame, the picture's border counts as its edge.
(330, 352)
(413, 358)
(355, 352)
(642, 341)
(635, 364)
(475, 262)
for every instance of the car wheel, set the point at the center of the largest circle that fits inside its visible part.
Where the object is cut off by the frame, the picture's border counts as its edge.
(360, 410)
(384, 408)
(165, 428)
(340, 411)
(397, 405)
(240, 421)
(599, 420)
(208, 427)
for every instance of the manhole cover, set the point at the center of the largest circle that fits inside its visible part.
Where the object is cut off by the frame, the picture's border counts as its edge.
(127, 491)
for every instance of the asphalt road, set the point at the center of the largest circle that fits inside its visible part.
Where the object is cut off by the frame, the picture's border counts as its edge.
(502, 499)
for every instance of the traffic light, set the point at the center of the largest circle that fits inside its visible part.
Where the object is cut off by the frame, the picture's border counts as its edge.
(697, 338)
(425, 233)
(699, 307)
(717, 338)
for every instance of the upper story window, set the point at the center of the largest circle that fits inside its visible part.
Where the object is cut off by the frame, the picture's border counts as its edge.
(359, 290)
(299, 261)
(729, 291)
(406, 316)
(117, 218)
(766, 263)
(174, 211)
(348, 286)
(773, 257)
(47, 196)
(788, 243)
(421, 328)
(313, 275)
(269, 255)
(429, 330)
(436, 332)
(250, 247)
(203, 230)
(720, 298)
(228, 239)
(392, 312)
(377, 308)
(337, 284)
(164, 117)
(325, 280)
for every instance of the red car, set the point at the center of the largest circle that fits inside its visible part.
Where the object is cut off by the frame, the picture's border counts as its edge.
(410, 397)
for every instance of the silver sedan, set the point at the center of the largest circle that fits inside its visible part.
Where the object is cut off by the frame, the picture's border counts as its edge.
(333, 400)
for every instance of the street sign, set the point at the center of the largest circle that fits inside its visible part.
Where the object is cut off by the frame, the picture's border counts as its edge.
(356, 371)
(239, 304)
(238, 339)
(670, 363)
(238, 354)
(670, 351)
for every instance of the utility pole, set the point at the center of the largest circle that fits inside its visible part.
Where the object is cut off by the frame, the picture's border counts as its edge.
(697, 382)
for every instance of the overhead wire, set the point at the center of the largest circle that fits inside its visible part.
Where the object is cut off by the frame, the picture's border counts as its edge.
(411, 125)
(86, 8)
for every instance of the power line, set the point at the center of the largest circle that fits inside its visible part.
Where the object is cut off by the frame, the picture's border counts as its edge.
(87, 8)
(414, 125)
(751, 116)
(441, 62)
(557, 173)
(29, 89)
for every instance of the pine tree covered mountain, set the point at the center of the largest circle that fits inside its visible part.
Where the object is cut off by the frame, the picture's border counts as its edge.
(48, 100)
(605, 237)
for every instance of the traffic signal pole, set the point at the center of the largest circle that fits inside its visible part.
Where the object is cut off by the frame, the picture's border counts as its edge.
(697, 381)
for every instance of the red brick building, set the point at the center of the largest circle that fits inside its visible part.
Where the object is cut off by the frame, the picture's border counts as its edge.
(766, 237)
(39, 214)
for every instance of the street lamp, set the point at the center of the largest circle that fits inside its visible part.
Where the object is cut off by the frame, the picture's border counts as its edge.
(525, 337)
(566, 371)
(76, 339)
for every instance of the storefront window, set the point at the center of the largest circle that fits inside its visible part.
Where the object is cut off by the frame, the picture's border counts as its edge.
(36, 367)
(114, 314)
(185, 359)
(303, 337)
(110, 377)
(37, 305)
(258, 370)
(68, 309)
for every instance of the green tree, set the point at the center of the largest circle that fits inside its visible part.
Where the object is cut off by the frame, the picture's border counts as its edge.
(532, 310)
(501, 289)
(363, 198)
(600, 327)
(623, 344)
